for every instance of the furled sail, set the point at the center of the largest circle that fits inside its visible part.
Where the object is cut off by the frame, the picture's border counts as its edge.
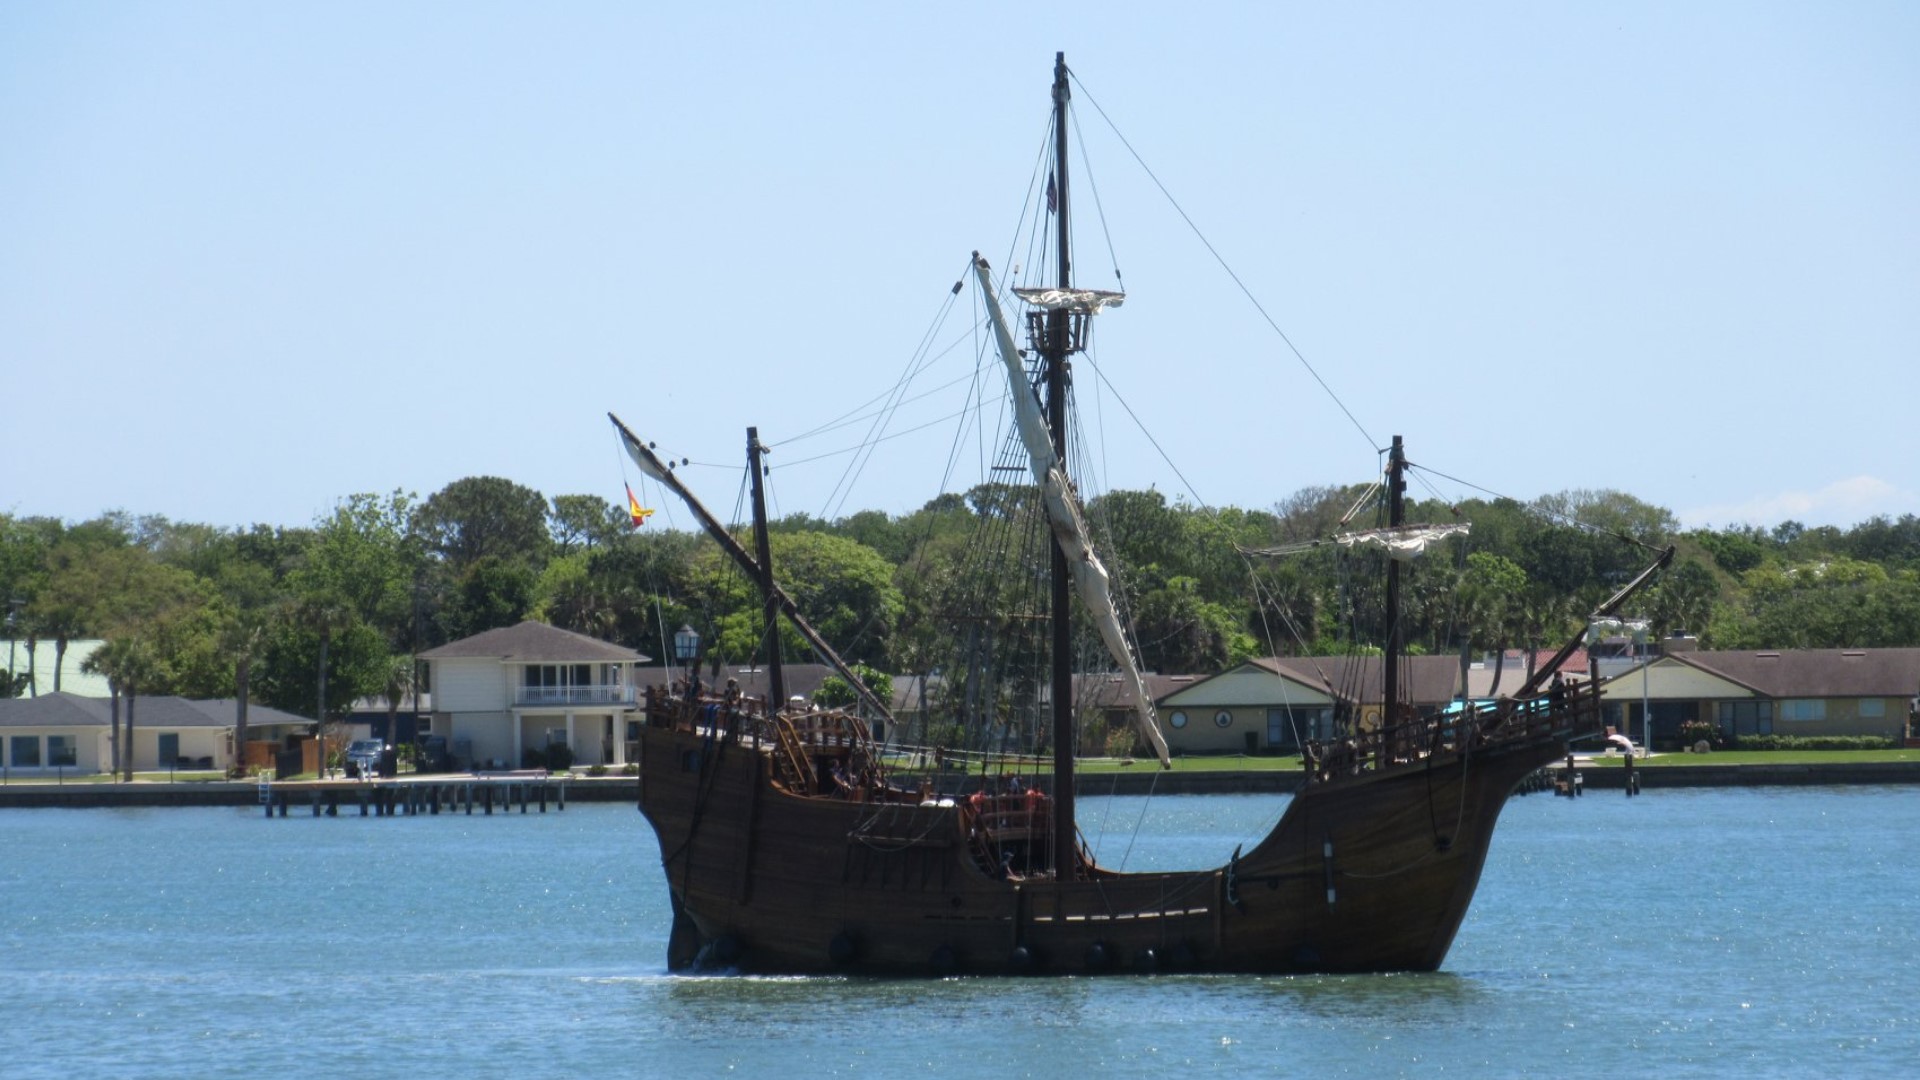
(1091, 301)
(1402, 542)
(1065, 519)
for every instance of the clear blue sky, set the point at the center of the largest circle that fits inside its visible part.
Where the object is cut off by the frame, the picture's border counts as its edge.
(256, 257)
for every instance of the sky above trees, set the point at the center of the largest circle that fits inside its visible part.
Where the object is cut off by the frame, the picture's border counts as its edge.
(261, 255)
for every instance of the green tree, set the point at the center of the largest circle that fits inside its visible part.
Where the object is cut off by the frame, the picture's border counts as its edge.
(584, 522)
(481, 517)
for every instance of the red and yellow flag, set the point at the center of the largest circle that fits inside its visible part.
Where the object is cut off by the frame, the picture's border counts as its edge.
(640, 513)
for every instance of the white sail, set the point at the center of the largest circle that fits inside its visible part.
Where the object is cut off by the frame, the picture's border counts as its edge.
(1403, 543)
(1092, 301)
(1064, 518)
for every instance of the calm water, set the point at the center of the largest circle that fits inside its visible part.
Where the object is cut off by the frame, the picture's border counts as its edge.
(1766, 932)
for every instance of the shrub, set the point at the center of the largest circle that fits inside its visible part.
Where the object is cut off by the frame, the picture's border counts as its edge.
(533, 758)
(559, 757)
(597, 770)
(1697, 731)
(1817, 742)
(631, 768)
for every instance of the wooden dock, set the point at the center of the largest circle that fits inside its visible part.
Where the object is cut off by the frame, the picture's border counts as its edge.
(411, 795)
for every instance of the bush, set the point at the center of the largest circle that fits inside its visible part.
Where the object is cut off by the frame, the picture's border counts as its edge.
(1698, 731)
(559, 757)
(631, 768)
(1817, 742)
(533, 759)
(597, 770)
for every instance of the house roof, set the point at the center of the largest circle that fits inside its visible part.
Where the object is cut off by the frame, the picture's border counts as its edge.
(1823, 673)
(534, 643)
(1429, 679)
(75, 710)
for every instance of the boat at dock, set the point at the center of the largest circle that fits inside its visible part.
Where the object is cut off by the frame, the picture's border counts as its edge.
(790, 845)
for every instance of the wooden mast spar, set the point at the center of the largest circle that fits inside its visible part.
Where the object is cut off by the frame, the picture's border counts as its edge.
(649, 463)
(1053, 352)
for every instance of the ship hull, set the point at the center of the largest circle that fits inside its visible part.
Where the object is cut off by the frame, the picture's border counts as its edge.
(1368, 872)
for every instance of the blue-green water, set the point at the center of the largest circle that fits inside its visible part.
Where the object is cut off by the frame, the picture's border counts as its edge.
(1719, 933)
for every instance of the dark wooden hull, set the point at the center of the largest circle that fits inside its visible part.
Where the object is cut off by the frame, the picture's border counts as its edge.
(1370, 871)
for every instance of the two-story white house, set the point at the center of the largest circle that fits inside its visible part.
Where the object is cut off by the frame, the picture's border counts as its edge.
(502, 693)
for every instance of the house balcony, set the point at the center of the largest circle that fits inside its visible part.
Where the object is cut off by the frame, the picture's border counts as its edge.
(538, 697)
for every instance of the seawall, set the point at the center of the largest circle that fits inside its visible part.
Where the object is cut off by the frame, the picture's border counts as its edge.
(1142, 781)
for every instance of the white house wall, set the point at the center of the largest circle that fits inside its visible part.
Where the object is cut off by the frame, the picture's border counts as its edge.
(488, 735)
(463, 686)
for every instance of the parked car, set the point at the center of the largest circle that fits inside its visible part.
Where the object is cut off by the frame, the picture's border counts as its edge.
(363, 757)
(433, 755)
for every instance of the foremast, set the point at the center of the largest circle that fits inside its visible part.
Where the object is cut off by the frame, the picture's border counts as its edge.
(650, 463)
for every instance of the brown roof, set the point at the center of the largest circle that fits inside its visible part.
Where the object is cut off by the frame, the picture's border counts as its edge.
(534, 643)
(1428, 679)
(1822, 673)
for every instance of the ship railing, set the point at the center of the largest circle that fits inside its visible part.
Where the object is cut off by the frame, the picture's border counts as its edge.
(1564, 712)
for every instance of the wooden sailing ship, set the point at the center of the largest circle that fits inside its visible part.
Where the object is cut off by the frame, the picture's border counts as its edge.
(790, 847)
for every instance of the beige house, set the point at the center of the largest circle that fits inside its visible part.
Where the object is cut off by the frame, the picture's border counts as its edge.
(1274, 704)
(1771, 692)
(63, 733)
(502, 693)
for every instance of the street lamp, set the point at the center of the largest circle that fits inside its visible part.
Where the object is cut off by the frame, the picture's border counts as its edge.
(686, 648)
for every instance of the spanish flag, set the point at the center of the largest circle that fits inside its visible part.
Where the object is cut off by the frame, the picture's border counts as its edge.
(640, 514)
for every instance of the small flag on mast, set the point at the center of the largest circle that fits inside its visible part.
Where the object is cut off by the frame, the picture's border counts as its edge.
(640, 514)
(1053, 196)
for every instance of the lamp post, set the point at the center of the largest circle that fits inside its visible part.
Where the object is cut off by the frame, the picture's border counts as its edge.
(686, 648)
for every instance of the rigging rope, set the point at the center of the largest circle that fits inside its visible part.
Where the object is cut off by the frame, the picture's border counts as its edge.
(1217, 257)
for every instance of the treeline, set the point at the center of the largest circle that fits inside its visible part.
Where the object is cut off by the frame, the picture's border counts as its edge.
(286, 615)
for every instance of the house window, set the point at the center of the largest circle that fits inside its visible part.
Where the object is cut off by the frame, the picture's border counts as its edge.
(1803, 709)
(1223, 719)
(26, 751)
(1873, 708)
(1177, 720)
(60, 750)
(1739, 718)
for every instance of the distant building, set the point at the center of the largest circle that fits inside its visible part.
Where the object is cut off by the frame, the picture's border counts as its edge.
(503, 693)
(1770, 692)
(73, 734)
(40, 662)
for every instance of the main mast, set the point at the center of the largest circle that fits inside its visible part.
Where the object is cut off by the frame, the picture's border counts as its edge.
(1396, 517)
(1053, 352)
(763, 548)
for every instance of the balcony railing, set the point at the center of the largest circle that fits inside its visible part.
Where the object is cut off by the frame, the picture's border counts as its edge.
(573, 695)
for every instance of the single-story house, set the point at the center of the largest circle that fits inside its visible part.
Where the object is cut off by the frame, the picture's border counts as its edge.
(1276, 703)
(71, 733)
(1771, 692)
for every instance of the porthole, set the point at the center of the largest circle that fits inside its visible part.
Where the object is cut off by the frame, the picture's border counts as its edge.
(1177, 720)
(1223, 718)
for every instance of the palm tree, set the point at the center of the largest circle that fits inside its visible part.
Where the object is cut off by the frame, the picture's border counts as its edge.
(128, 663)
(399, 682)
(106, 660)
(240, 641)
